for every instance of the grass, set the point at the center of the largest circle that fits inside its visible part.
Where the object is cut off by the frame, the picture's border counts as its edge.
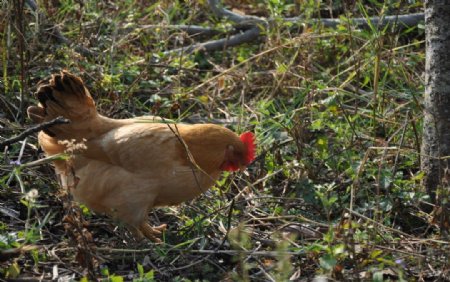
(335, 190)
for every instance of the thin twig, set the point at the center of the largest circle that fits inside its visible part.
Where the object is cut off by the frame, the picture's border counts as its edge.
(416, 137)
(379, 224)
(208, 252)
(46, 160)
(31, 130)
(397, 155)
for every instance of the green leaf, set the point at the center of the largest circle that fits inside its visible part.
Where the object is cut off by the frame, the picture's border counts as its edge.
(377, 277)
(317, 124)
(115, 278)
(282, 68)
(375, 253)
(419, 176)
(150, 275)
(140, 269)
(13, 270)
(321, 141)
(105, 271)
(328, 262)
(386, 205)
(339, 249)
(332, 200)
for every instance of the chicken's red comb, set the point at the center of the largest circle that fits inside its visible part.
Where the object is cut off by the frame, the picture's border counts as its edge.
(249, 141)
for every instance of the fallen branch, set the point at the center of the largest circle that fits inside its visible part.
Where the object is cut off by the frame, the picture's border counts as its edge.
(243, 20)
(250, 27)
(31, 130)
(253, 25)
(247, 36)
(227, 252)
(250, 24)
(191, 30)
(400, 21)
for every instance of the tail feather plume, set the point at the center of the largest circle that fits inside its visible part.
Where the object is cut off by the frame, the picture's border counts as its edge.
(65, 95)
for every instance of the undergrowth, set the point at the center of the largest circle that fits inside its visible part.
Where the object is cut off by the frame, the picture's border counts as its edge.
(335, 190)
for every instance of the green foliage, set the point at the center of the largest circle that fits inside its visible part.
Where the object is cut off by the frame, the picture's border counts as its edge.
(335, 190)
(110, 277)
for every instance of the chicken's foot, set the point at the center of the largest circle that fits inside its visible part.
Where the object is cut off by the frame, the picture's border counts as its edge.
(152, 233)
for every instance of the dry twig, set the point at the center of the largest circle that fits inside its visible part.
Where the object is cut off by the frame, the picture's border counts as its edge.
(31, 130)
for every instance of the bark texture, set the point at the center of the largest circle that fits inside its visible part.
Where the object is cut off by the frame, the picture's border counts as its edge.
(436, 130)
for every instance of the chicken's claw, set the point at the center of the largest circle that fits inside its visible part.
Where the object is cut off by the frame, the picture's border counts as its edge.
(152, 232)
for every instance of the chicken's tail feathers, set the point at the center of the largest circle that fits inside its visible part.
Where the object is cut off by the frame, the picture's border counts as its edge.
(65, 95)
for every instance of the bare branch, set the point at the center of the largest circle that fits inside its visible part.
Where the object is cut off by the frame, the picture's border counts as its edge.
(33, 129)
(401, 21)
(192, 30)
(253, 25)
(247, 36)
(243, 20)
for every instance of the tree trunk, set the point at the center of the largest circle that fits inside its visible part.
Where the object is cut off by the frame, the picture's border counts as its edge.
(436, 130)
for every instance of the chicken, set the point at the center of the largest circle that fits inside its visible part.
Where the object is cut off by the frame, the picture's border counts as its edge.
(126, 167)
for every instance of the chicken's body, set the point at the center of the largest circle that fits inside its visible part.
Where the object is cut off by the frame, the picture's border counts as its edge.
(130, 166)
